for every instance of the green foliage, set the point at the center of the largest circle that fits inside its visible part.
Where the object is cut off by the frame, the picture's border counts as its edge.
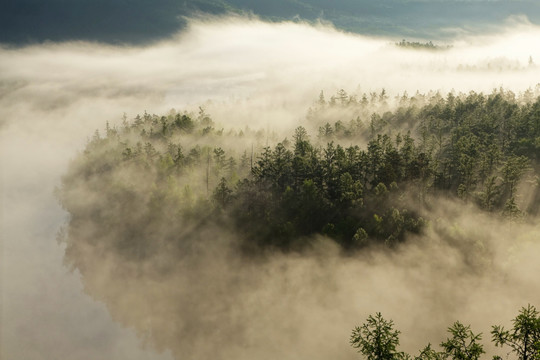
(428, 353)
(524, 337)
(357, 182)
(222, 194)
(463, 344)
(313, 190)
(360, 237)
(376, 339)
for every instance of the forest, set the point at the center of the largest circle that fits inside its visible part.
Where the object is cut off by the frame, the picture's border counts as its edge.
(250, 180)
(369, 178)
(166, 210)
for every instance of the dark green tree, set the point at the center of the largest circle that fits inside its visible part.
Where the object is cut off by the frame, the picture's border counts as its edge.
(428, 353)
(222, 194)
(524, 337)
(512, 171)
(376, 339)
(463, 345)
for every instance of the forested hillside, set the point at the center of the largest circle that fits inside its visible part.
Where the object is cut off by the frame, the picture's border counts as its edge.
(365, 178)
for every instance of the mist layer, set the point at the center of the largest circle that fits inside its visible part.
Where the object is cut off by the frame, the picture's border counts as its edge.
(54, 96)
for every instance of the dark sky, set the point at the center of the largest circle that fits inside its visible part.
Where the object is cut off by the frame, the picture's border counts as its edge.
(142, 21)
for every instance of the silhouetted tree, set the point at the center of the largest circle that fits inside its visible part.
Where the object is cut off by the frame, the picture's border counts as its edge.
(524, 337)
(376, 339)
(463, 344)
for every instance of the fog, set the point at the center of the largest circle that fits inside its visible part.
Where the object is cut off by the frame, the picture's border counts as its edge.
(244, 72)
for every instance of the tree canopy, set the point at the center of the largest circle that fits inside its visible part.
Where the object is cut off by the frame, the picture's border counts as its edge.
(377, 339)
(357, 182)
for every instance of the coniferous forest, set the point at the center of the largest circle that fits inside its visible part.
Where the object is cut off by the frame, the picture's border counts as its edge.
(358, 171)
(163, 194)
(264, 180)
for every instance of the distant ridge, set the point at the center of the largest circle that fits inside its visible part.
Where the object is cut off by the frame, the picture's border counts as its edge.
(138, 21)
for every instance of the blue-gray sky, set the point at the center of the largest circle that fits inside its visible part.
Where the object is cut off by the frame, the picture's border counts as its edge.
(140, 21)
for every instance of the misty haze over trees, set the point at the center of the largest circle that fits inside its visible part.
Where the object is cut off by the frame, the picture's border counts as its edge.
(365, 171)
(248, 215)
(359, 180)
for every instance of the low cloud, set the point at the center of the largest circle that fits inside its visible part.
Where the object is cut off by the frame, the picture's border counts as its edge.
(244, 72)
